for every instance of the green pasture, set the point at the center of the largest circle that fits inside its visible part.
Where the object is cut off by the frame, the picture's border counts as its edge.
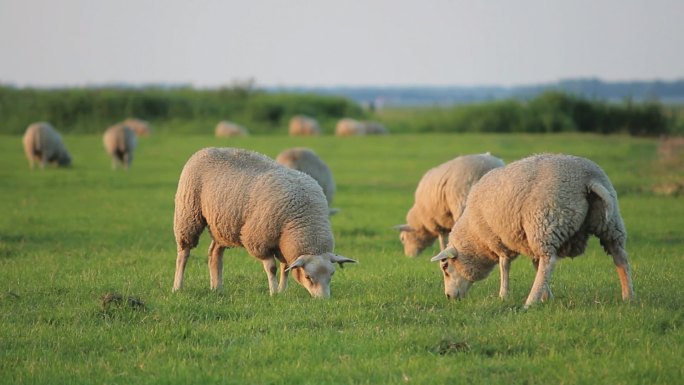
(87, 258)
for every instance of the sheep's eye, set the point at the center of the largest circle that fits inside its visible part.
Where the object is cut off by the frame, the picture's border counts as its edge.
(445, 267)
(308, 277)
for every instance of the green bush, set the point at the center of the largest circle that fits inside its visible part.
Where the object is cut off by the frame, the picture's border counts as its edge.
(547, 113)
(91, 110)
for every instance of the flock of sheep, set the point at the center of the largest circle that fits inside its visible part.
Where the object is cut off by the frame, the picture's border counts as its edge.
(482, 211)
(303, 125)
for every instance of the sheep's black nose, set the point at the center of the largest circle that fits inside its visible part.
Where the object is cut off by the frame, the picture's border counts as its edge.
(448, 296)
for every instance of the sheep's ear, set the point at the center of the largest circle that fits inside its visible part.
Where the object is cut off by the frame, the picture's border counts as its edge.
(449, 252)
(333, 211)
(342, 260)
(403, 228)
(299, 262)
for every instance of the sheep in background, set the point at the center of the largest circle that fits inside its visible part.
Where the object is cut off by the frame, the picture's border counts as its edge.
(43, 144)
(307, 161)
(302, 125)
(544, 206)
(440, 199)
(139, 127)
(246, 199)
(353, 127)
(119, 141)
(349, 127)
(227, 129)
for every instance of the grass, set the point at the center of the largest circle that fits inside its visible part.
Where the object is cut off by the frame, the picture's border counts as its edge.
(87, 258)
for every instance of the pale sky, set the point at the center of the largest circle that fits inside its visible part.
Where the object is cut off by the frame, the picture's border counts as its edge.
(338, 43)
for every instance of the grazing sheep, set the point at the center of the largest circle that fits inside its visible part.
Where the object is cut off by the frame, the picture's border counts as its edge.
(43, 144)
(139, 127)
(544, 206)
(302, 125)
(306, 161)
(227, 129)
(120, 142)
(246, 199)
(440, 199)
(349, 127)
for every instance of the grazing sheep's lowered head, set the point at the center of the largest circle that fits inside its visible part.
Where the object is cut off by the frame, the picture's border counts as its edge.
(415, 240)
(314, 272)
(457, 270)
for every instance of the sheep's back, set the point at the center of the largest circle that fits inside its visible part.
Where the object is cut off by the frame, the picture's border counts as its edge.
(532, 203)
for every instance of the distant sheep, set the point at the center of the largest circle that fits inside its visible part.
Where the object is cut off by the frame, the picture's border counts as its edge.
(302, 125)
(43, 144)
(139, 127)
(544, 206)
(349, 127)
(440, 199)
(246, 199)
(353, 127)
(307, 161)
(120, 142)
(227, 129)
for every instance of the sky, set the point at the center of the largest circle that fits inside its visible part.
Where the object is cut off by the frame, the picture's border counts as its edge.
(279, 43)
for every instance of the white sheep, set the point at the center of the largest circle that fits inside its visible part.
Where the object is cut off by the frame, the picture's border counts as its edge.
(303, 125)
(225, 129)
(139, 127)
(544, 206)
(440, 199)
(247, 199)
(349, 127)
(120, 142)
(43, 144)
(307, 161)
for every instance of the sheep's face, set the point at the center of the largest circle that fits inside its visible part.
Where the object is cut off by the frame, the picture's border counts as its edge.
(414, 240)
(455, 284)
(64, 160)
(315, 272)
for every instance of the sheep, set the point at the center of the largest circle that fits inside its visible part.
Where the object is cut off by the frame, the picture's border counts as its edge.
(544, 206)
(307, 161)
(302, 125)
(43, 144)
(139, 127)
(119, 141)
(349, 127)
(248, 200)
(353, 127)
(225, 128)
(440, 199)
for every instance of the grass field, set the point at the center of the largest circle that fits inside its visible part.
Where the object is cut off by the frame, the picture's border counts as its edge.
(70, 237)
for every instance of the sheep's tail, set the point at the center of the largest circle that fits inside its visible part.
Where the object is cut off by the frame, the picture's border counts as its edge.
(608, 201)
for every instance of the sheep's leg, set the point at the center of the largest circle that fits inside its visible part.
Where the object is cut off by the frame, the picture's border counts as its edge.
(282, 285)
(504, 268)
(443, 240)
(126, 160)
(541, 280)
(216, 266)
(546, 294)
(181, 261)
(271, 269)
(622, 266)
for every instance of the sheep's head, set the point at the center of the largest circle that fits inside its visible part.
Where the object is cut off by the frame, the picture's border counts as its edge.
(455, 284)
(415, 240)
(315, 272)
(64, 159)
